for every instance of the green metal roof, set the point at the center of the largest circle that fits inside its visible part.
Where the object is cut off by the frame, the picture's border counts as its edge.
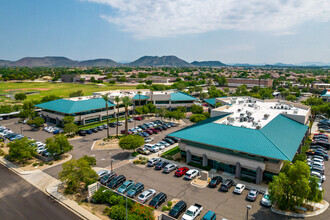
(279, 139)
(70, 107)
(142, 97)
(181, 96)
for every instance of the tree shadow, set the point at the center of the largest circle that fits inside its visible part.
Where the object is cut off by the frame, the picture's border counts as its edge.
(121, 156)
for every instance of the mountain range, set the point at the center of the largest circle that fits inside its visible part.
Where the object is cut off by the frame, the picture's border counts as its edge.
(154, 61)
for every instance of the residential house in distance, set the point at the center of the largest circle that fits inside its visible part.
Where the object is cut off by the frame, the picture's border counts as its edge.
(236, 82)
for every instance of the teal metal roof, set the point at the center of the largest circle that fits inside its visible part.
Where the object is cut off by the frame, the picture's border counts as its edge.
(70, 107)
(325, 93)
(279, 139)
(181, 96)
(142, 97)
(210, 101)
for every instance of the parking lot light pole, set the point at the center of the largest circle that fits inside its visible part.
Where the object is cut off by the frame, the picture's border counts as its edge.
(21, 129)
(112, 160)
(247, 211)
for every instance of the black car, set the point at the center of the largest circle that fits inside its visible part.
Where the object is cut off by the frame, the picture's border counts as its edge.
(170, 141)
(164, 127)
(112, 125)
(107, 178)
(215, 181)
(95, 130)
(89, 131)
(177, 209)
(225, 186)
(82, 132)
(117, 181)
(161, 165)
(135, 190)
(158, 200)
(176, 140)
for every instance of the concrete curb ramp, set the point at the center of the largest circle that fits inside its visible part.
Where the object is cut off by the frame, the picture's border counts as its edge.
(296, 215)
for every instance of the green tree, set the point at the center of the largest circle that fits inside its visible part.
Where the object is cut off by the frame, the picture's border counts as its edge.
(285, 93)
(291, 98)
(148, 82)
(117, 212)
(69, 126)
(197, 118)
(20, 96)
(21, 150)
(77, 175)
(181, 109)
(139, 110)
(127, 102)
(58, 144)
(27, 111)
(152, 108)
(131, 142)
(106, 99)
(36, 122)
(197, 109)
(117, 100)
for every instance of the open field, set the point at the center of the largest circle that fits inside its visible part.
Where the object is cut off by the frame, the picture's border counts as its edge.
(59, 89)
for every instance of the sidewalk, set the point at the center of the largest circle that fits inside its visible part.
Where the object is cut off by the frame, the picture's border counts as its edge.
(49, 185)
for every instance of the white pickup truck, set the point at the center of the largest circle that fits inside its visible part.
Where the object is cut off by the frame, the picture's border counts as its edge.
(192, 212)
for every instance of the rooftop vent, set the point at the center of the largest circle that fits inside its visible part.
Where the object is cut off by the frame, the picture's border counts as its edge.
(230, 119)
(266, 116)
(249, 113)
(295, 111)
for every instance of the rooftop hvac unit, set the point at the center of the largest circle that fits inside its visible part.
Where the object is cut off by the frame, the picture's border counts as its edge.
(243, 126)
(254, 101)
(295, 111)
(239, 110)
(240, 102)
(258, 127)
(224, 123)
(233, 102)
(249, 113)
(234, 98)
(286, 107)
(231, 119)
(284, 112)
(266, 116)
(241, 115)
(278, 107)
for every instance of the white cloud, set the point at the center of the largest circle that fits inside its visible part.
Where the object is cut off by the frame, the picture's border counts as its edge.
(164, 18)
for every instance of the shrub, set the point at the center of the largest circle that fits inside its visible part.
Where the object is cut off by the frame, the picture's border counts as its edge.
(106, 211)
(35, 164)
(117, 212)
(102, 195)
(137, 162)
(169, 204)
(2, 153)
(143, 162)
(41, 163)
(134, 154)
(165, 208)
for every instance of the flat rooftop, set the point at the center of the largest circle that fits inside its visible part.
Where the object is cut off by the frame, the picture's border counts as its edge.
(254, 113)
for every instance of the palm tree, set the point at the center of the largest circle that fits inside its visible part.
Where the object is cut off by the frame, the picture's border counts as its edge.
(117, 100)
(126, 101)
(106, 99)
(139, 92)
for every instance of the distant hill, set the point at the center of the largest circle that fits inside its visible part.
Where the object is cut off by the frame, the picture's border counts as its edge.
(4, 62)
(45, 62)
(99, 62)
(160, 61)
(208, 63)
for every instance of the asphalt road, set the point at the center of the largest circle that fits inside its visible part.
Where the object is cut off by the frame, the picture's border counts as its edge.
(21, 200)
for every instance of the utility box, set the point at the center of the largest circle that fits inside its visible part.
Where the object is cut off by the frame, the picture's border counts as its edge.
(204, 175)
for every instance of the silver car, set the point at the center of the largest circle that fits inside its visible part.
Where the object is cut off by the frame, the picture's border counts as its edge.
(169, 168)
(146, 195)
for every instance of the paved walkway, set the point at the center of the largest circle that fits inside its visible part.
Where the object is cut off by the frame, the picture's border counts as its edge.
(49, 185)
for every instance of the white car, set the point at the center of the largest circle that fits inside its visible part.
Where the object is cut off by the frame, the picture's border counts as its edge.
(148, 139)
(192, 212)
(102, 173)
(313, 160)
(191, 174)
(160, 146)
(152, 148)
(321, 177)
(239, 188)
(40, 149)
(266, 200)
(138, 129)
(146, 195)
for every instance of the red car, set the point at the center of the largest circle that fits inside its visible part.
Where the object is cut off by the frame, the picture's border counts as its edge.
(155, 131)
(181, 171)
(128, 132)
(138, 118)
(150, 132)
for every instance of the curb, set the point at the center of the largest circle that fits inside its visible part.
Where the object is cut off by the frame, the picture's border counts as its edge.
(296, 215)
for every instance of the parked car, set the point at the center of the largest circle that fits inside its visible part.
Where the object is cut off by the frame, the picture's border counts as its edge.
(135, 190)
(209, 216)
(176, 140)
(177, 209)
(158, 200)
(321, 177)
(102, 173)
(192, 212)
(112, 125)
(143, 150)
(146, 195)
(168, 140)
(169, 168)
(161, 165)
(94, 130)
(126, 186)
(107, 178)
(216, 180)
(153, 161)
(117, 181)
(82, 132)
(181, 171)
(266, 200)
(89, 131)
(160, 146)
(225, 186)
(239, 188)
(252, 196)
(152, 148)
(130, 120)
(100, 128)
(191, 174)
(138, 118)
(149, 139)
(164, 143)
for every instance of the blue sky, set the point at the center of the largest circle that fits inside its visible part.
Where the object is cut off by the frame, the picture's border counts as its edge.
(231, 31)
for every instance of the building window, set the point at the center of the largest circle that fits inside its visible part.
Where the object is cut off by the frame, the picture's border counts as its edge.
(162, 102)
(248, 173)
(182, 102)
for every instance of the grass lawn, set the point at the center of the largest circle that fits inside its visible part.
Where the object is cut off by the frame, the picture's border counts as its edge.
(59, 89)
(172, 151)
